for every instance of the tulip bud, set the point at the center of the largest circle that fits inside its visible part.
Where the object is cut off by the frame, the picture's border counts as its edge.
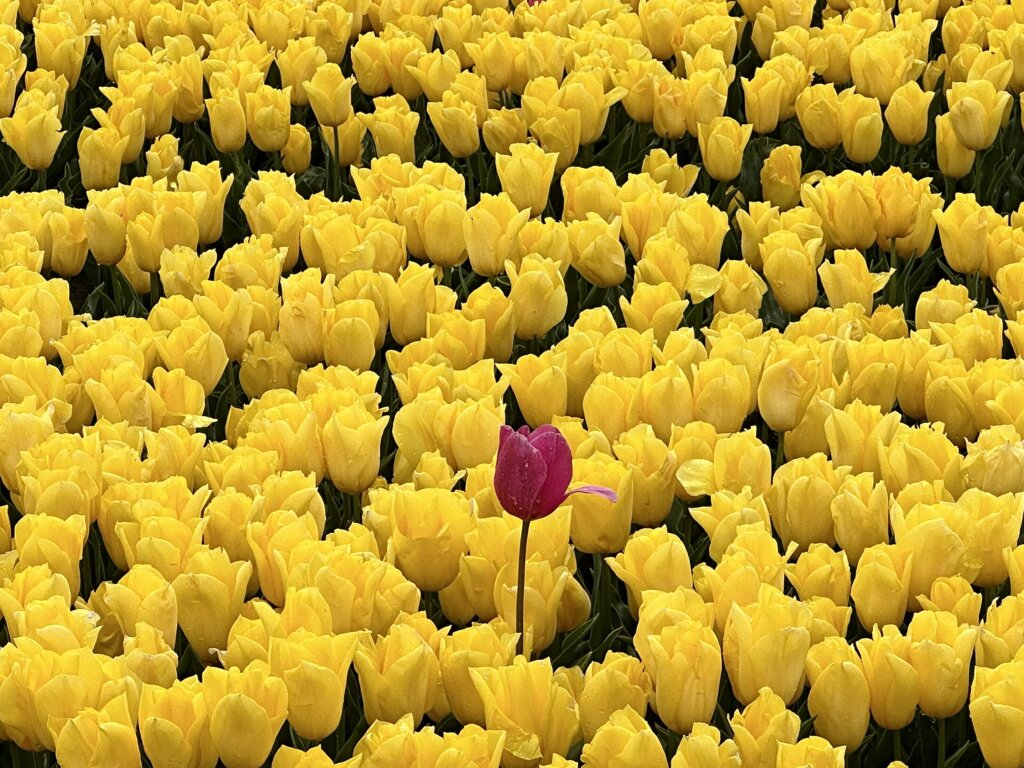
(860, 120)
(617, 682)
(626, 735)
(995, 701)
(96, 736)
(907, 113)
(762, 726)
(540, 716)
(252, 699)
(722, 142)
(940, 651)
(894, 683)
(397, 675)
(454, 119)
(765, 645)
(976, 110)
(955, 160)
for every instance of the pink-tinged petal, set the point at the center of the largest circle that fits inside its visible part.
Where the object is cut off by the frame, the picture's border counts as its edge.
(519, 474)
(550, 443)
(596, 490)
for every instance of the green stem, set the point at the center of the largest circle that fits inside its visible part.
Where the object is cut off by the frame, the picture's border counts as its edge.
(154, 289)
(336, 191)
(897, 747)
(521, 589)
(942, 743)
(40, 180)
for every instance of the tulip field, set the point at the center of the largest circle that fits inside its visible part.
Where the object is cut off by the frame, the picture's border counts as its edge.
(511, 383)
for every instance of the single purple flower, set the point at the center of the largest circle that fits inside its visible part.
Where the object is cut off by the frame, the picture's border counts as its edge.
(533, 472)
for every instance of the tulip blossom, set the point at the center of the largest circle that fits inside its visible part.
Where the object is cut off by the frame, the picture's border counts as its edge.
(531, 480)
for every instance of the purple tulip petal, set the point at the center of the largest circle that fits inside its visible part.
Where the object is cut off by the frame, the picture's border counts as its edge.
(596, 490)
(558, 457)
(519, 474)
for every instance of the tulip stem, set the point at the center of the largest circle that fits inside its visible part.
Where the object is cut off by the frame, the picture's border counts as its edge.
(336, 166)
(942, 743)
(897, 747)
(41, 180)
(154, 289)
(521, 589)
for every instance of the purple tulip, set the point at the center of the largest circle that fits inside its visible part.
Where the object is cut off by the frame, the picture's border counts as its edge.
(533, 472)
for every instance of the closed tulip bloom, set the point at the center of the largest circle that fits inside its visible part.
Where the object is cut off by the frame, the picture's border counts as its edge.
(907, 113)
(33, 131)
(601, 521)
(314, 668)
(894, 683)
(330, 95)
(761, 727)
(704, 748)
(268, 117)
(719, 375)
(954, 158)
(790, 267)
(540, 716)
(503, 128)
(848, 207)
(800, 498)
(881, 64)
(996, 713)
(352, 446)
(618, 681)
(454, 119)
(818, 111)
(210, 592)
(197, 350)
(940, 651)
(765, 644)
(860, 514)
(686, 666)
(821, 572)
(954, 594)
(174, 725)
(526, 174)
(860, 120)
(540, 386)
(430, 528)
(840, 701)
(788, 382)
(393, 127)
(59, 543)
(654, 482)
(250, 701)
(289, 757)
(99, 157)
(881, 586)
(976, 110)
(728, 511)
(813, 750)
(397, 675)
(101, 736)
(722, 142)
(143, 595)
(295, 154)
(964, 227)
(538, 296)
(491, 228)
(847, 280)
(652, 559)
(780, 176)
(625, 740)
(477, 646)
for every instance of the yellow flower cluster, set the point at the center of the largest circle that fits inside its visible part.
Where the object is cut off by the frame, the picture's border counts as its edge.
(274, 274)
